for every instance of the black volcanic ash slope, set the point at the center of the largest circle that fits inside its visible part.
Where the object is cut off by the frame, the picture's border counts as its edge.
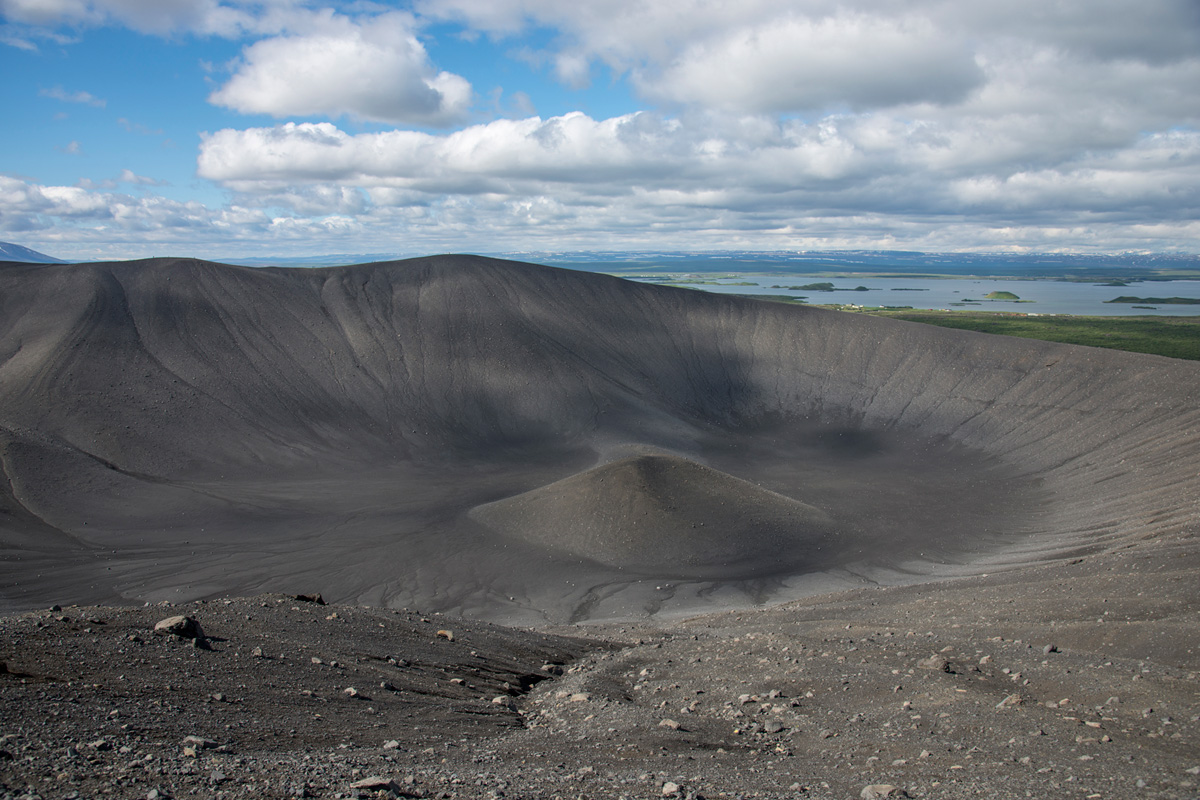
(174, 428)
(665, 516)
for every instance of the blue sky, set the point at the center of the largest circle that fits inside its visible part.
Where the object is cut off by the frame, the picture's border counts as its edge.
(223, 128)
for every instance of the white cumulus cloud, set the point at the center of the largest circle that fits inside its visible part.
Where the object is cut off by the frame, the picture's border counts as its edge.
(799, 64)
(374, 69)
(744, 168)
(494, 157)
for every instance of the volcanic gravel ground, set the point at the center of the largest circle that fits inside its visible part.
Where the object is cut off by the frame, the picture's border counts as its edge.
(1072, 679)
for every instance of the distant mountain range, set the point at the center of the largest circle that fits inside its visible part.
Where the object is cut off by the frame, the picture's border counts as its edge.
(327, 260)
(1068, 266)
(15, 252)
(1136, 266)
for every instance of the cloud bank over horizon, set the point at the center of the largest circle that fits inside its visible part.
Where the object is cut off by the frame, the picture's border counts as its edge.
(530, 124)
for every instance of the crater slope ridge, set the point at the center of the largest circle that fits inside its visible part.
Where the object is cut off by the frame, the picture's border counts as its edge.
(529, 444)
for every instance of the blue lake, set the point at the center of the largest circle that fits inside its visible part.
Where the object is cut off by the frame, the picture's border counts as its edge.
(1044, 297)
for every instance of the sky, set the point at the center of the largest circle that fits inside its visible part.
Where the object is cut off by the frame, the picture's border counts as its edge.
(239, 128)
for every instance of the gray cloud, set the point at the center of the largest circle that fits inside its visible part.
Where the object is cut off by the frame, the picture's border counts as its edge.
(146, 16)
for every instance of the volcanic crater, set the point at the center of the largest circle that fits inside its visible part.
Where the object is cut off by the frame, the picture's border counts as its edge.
(525, 444)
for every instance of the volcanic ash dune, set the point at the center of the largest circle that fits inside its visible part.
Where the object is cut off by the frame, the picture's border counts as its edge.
(665, 516)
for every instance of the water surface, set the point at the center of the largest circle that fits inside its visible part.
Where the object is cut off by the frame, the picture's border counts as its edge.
(1036, 296)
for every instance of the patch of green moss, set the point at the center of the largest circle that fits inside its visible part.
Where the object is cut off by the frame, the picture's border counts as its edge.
(1176, 337)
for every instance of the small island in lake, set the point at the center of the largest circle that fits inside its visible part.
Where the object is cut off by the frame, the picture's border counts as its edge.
(1158, 301)
(821, 287)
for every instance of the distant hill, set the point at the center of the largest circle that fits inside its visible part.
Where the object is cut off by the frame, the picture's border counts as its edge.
(327, 260)
(15, 252)
(1081, 267)
(1123, 267)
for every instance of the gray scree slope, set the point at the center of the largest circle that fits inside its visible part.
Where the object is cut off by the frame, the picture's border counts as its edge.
(456, 433)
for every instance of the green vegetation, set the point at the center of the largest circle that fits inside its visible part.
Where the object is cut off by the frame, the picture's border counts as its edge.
(1177, 337)
(1000, 296)
(1158, 301)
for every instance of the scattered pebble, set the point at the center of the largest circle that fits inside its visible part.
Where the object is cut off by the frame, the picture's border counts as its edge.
(200, 742)
(375, 783)
(183, 626)
(936, 663)
(1010, 701)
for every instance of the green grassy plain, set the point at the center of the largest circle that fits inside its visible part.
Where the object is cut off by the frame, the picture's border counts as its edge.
(1177, 337)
